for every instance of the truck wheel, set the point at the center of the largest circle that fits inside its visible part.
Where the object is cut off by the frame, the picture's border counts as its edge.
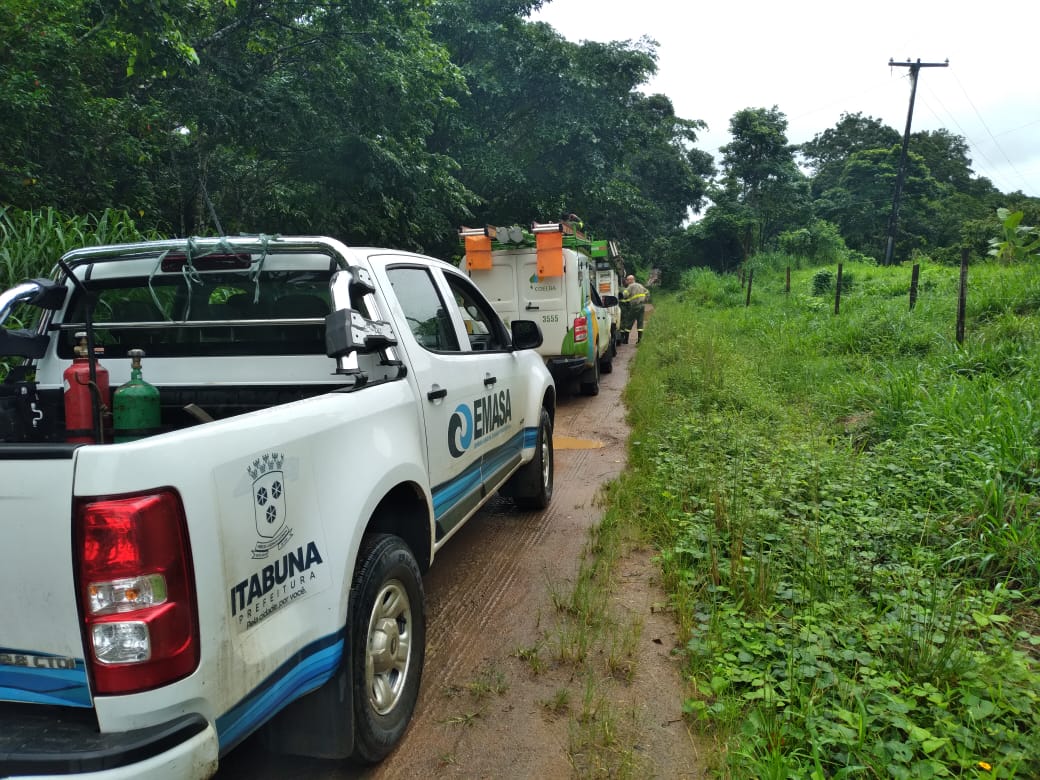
(606, 363)
(387, 642)
(590, 379)
(533, 483)
(614, 340)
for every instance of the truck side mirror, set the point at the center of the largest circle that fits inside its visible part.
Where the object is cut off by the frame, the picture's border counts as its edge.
(347, 331)
(610, 300)
(527, 334)
(50, 295)
(42, 293)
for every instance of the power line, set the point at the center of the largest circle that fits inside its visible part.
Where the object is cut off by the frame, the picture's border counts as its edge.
(949, 117)
(988, 131)
(977, 146)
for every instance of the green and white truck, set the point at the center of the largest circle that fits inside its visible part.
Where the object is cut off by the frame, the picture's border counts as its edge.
(547, 274)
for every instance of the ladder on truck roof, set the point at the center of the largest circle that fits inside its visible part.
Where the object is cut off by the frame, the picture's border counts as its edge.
(548, 238)
(515, 236)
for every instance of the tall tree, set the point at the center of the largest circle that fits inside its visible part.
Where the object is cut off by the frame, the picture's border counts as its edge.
(548, 126)
(297, 114)
(861, 202)
(315, 117)
(76, 123)
(937, 213)
(760, 174)
(827, 152)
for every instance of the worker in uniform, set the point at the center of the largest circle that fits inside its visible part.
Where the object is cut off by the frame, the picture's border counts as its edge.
(626, 317)
(633, 307)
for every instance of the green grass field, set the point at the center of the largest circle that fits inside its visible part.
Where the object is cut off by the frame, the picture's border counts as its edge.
(846, 508)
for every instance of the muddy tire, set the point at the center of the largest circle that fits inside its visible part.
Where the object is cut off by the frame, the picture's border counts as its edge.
(532, 486)
(589, 384)
(387, 635)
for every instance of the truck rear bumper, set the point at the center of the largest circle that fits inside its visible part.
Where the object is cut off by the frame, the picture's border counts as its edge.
(183, 748)
(564, 368)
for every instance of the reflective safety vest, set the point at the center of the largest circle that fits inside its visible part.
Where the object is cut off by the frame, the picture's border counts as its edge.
(634, 293)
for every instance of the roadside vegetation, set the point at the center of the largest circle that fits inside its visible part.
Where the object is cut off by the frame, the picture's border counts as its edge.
(846, 510)
(32, 241)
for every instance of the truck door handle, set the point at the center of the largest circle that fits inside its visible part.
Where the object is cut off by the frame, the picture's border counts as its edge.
(437, 393)
(490, 380)
(531, 307)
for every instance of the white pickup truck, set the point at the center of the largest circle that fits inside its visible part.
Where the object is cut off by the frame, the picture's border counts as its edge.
(328, 418)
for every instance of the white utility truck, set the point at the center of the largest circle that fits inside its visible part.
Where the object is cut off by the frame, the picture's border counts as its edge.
(546, 274)
(248, 553)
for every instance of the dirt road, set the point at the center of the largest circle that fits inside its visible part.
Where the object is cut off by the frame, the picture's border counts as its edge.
(499, 698)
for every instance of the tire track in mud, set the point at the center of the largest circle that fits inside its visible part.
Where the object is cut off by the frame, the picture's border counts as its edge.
(499, 573)
(511, 537)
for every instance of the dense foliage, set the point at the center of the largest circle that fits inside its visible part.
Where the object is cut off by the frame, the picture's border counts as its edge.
(396, 122)
(386, 123)
(846, 508)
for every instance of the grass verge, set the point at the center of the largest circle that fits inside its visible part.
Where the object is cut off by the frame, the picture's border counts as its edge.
(846, 509)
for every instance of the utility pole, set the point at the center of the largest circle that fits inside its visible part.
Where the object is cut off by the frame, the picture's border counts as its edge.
(893, 220)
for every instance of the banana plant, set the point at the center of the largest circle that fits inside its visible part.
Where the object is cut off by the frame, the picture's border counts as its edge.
(1017, 241)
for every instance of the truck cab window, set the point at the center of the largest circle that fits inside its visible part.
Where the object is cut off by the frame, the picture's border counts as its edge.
(483, 326)
(424, 309)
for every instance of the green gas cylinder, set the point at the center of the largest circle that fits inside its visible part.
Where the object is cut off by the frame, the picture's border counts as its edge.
(135, 405)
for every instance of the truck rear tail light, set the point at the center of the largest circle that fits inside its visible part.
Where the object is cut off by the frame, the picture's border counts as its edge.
(137, 593)
(120, 643)
(581, 329)
(126, 594)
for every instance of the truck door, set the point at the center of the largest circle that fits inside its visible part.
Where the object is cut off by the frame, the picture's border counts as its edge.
(544, 300)
(472, 396)
(498, 421)
(499, 285)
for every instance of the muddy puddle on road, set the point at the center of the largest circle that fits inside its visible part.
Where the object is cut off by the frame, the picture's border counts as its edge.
(572, 443)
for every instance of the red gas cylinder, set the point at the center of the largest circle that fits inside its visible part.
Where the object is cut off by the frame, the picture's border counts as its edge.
(80, 393)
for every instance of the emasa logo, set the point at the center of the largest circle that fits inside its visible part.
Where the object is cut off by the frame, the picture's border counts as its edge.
(470, 423)
(460, 431)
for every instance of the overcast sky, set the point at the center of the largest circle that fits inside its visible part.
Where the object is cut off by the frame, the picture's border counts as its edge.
(815, 60)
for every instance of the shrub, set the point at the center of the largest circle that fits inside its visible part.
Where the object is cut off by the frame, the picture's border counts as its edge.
(819, 243)
(822, 281)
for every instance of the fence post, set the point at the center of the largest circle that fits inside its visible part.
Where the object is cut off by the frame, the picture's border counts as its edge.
(750, 276)
(787, 286)
(962, 296)
(837, 291)
(915, 275)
